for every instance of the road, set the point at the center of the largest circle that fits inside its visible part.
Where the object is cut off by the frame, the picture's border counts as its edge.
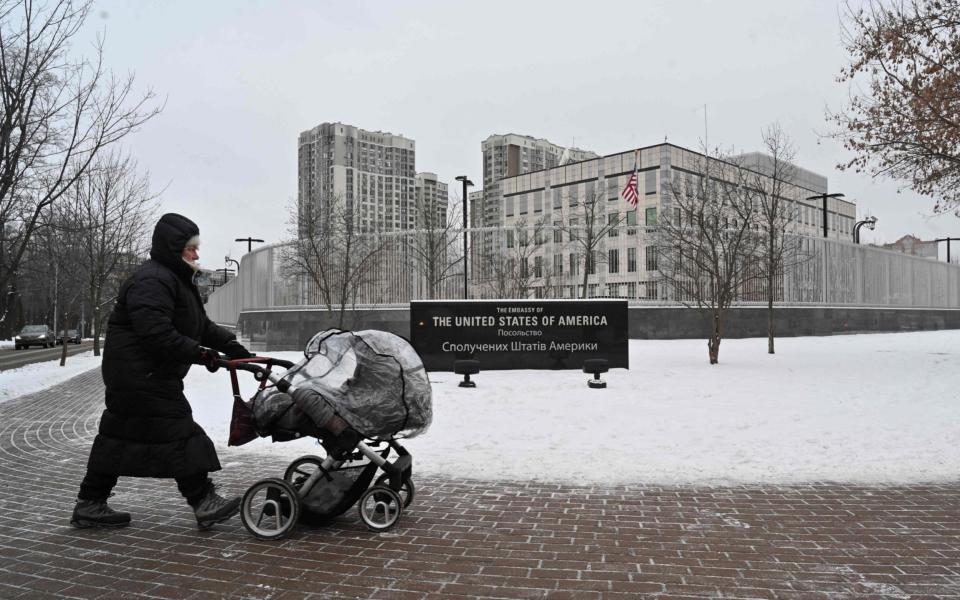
(12, 359)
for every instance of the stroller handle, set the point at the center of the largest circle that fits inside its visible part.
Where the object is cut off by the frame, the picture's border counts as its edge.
(253, 365)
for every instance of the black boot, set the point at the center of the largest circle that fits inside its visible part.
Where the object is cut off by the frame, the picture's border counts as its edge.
(96, 513)
(211, 509)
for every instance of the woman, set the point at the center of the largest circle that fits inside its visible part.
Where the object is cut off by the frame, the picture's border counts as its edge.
(158, 328)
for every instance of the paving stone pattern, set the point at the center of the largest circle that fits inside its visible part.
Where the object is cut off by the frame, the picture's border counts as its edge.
(464, 538)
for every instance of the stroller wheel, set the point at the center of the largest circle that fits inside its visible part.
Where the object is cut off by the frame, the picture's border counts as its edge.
(301, 469)
(406, 490)
(270, 509)
(380, 508)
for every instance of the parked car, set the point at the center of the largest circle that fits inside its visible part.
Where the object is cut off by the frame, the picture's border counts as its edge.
(35, 335)
(72, 337)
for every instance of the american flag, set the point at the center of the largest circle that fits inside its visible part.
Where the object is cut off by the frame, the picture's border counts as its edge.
(629, 192)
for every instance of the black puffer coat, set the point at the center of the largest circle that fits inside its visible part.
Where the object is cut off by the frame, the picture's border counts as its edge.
(153, 336)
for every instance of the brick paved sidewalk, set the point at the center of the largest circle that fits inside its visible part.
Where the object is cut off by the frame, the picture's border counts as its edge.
(464, 539)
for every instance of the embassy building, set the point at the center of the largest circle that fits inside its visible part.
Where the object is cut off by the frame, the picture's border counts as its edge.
(627, 265)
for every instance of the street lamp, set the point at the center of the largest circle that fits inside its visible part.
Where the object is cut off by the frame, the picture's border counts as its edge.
(466, 182)
(870, 222)
(824, 197)
(227, 259)
(249, 241)
(947, 240)
(224, 271)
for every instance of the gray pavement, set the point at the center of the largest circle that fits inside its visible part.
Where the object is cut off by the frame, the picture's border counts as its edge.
(464, 538)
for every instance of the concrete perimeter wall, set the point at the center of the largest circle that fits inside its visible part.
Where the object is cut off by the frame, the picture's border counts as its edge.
(277, 330)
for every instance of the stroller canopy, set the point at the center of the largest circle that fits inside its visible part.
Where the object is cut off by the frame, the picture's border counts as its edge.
(373, 379)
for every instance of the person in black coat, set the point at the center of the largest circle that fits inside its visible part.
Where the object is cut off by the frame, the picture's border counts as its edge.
(157, 329)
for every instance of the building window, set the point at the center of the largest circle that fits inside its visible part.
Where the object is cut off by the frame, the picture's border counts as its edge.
(574, 264)
(651, 254)
(631, 290)
(613, 260)
(538, 266)
(631, 222)
(612, 218)
(631, 261)
(574, 233)
(651, 216)
(509, 238)
(592, 263)
(651, 290)
(557, 232)
(650, 182)
(558, 264)
(508, 207)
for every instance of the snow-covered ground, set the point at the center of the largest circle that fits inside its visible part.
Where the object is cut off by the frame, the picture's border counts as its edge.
(38, 376)
(861, 408)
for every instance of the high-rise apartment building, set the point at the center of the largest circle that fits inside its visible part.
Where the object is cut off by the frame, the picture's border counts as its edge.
(431, 201)
(372, 171)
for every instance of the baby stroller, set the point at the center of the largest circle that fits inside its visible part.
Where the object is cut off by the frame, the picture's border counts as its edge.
(373, 380)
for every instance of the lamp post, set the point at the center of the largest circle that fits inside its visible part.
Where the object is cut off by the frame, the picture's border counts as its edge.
(466, 182)
(249, 241)
(227, 259)
(824, 197)
(224, 270)
(870, 222)
(947, 240)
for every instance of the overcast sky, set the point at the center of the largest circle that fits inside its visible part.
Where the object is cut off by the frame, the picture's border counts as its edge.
(242, 79)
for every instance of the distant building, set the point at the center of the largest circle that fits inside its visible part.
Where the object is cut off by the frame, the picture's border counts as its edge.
(510, 155)
(914, 246)
(372, 169)
(432, 200)
(630, 265)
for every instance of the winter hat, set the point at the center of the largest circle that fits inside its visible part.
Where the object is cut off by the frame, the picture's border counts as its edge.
(170, 237)
(194, 241)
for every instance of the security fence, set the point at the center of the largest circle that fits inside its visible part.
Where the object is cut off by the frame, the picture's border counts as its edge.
(545, 262)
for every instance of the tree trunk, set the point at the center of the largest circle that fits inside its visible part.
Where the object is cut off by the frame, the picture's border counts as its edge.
(63, 336)
(713, 344)
(770, 328)
(771, 276)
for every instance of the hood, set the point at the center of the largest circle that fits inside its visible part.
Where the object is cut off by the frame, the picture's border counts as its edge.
(170, 236)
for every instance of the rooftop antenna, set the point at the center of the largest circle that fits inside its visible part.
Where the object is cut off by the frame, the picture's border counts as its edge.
(706, 136)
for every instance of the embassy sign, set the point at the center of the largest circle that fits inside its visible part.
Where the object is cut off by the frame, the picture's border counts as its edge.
(520, 334)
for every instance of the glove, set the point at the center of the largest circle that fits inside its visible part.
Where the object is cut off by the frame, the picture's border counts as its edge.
(234, 349)
(208, 358)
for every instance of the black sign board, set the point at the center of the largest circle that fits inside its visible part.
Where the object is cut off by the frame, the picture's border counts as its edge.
(520, 334)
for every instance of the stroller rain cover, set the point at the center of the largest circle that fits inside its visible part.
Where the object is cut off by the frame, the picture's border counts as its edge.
(374, 380)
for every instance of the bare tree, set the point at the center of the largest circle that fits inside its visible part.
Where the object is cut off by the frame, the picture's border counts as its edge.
(434, 245)
(587, 224)
(112, 208)
(331, 253)
(708, 249)
(507, 268)
(777, 215)
(58, 113)
(903, 116)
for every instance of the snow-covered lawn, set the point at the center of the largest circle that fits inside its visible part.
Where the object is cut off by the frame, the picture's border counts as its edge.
(860, 408)
(38, 376)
